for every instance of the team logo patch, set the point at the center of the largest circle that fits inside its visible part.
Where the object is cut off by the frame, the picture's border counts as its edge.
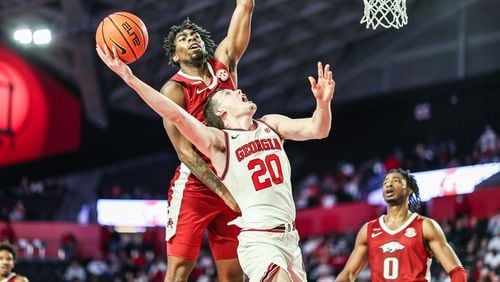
(410, 232)
(170, 223)
(222, 74)
(391, 247)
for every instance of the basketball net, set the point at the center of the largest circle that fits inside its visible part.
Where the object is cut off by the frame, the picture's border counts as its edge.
(386, 13)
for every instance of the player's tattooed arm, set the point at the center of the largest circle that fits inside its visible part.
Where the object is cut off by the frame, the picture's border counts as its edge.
(201, 170)
(187, 155)
(198, 167)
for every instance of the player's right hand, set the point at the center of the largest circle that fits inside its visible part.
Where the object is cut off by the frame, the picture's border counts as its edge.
(112, 60)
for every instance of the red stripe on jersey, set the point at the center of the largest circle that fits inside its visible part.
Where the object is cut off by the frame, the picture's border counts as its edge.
(265, 230)
(271, 270)
(226, 139)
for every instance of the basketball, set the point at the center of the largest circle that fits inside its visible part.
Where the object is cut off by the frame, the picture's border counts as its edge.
(126, 32)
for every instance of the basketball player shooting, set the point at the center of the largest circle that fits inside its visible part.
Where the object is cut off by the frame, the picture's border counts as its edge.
(248, 156)
(198, 202)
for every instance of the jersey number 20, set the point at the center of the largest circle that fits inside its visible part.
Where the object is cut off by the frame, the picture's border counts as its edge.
(266, 172)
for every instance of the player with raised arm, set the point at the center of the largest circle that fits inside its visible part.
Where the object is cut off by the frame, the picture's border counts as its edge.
(248, 156)
(197, 198)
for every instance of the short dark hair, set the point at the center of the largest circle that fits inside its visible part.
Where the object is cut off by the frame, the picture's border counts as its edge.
(9, 248)
(414, 200)
(169, 40)
(209, 112)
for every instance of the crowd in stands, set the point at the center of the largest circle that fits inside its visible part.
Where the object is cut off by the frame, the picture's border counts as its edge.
(128, 257)
(31, 200)
(347, 182)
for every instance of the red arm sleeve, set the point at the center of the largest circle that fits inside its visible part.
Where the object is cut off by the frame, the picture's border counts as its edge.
(458, 274)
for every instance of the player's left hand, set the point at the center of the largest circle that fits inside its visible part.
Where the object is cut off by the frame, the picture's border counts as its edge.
(324, 87)
(112, 60)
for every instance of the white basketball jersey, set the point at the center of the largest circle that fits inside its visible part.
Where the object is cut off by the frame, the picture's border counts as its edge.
(257, 174)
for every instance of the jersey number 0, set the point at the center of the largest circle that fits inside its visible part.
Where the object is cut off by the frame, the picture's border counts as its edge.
(266, 172)
(391, 268)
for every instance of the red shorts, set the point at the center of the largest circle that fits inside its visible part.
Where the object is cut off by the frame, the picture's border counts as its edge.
(193, 212)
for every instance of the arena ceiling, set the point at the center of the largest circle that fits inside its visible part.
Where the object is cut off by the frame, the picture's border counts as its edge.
(444, 40)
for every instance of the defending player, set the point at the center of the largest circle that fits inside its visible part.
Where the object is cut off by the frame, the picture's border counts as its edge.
(197, 199)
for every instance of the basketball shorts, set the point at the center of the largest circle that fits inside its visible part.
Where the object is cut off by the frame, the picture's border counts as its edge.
(190, 213)
(261, 253)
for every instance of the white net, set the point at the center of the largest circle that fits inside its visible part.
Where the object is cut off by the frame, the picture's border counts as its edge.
(386, 13)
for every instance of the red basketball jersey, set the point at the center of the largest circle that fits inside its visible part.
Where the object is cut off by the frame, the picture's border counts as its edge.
(400, 254)
(12, 277)
(196, 92)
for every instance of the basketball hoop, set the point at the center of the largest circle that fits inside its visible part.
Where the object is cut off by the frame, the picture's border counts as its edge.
(386, 13)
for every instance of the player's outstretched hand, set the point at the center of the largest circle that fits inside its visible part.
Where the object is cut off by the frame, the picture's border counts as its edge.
(324, 87)
(112, 60)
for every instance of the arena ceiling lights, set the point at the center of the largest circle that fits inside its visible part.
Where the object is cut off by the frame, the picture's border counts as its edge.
(26, 36)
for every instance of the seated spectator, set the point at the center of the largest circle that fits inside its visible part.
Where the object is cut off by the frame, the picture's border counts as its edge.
(488, 143)
(492, 259)
(18, 212)
(7, 234)
(69, 245)
(98, 268)
(494, 243)
(494, 224)
(75, 272)
(4, 213)
(157, 270)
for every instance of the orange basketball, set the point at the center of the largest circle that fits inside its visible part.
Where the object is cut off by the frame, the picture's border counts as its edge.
(126, 32)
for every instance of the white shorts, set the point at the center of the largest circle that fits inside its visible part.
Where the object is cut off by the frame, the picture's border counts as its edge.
(262, 253)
